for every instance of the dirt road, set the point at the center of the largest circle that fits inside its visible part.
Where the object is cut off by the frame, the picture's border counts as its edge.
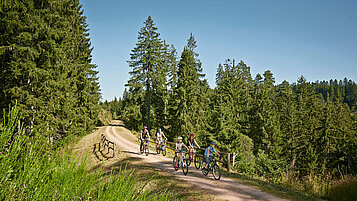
(225, 188)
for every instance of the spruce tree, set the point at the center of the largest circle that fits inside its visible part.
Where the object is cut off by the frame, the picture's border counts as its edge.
(148, 75)
(188, 101)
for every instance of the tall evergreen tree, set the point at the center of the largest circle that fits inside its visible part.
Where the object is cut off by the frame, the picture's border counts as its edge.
(187, 100)
(232, 101)
(265, 125)
(148, 77)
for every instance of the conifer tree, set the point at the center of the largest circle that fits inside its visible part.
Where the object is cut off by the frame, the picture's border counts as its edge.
(188, 102)
(232, 102)
(265, 125)
(148, 77)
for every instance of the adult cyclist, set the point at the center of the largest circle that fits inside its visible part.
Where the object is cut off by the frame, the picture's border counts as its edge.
(159, 136)
(144, 135)
(208, 153)
(191, 141)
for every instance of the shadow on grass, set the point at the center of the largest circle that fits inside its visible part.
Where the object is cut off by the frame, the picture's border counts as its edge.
(97, 148)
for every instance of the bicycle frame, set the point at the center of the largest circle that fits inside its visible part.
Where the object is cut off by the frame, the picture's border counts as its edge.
(162, 143)
(182, 155)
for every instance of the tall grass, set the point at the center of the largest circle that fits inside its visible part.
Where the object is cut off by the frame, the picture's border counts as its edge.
(30, 171)
(344, 189)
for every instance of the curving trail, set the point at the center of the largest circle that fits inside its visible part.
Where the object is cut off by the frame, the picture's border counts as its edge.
(225, 188)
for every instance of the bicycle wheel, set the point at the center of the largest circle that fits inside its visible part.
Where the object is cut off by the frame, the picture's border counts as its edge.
(204, 170)
(146, 150)
(188, 158)
(174, 164)
(197, 161)
(164, 150)
(157, 149)
(216, 171)
(141, 149)
(184, 166)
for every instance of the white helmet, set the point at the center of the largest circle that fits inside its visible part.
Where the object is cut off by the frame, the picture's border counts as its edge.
(179, 138)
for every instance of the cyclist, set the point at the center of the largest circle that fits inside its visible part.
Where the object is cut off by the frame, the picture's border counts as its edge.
(144, 135)
(178, 149)
(190, 143)
(159, 136)
(208, 153)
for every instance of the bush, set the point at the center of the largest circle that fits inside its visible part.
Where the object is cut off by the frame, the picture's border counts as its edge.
(245, 157)
(269, 168)
(30, 171)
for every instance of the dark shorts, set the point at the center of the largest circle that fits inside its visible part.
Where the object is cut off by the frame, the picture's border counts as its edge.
(208, 159)
(178, 151)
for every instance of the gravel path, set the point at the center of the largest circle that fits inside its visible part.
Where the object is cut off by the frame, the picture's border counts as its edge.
(225, 188)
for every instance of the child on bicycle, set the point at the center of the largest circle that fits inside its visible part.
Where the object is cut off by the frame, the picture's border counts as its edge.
(178, 149)
(159, 137)
(208, 153)
(190, 144)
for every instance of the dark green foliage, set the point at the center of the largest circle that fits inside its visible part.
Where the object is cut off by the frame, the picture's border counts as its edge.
(45, 66)
(232, 101)
(345, 90)
(190, 95)
(301, 129)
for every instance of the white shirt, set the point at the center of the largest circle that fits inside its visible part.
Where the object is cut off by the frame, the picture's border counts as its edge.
(179, 146)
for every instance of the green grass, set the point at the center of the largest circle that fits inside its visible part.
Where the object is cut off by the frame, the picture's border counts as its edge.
(31, 170)
(276, 189)
(344, 190)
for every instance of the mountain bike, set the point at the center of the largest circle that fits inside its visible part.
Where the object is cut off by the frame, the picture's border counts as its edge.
(144, 147)
(161, 147)
(212, 166)
(196, 157)
(182, 162)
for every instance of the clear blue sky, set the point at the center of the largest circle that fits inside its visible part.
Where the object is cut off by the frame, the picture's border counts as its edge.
(317, 39)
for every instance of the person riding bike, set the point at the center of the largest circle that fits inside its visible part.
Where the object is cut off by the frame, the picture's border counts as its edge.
(178, 149)
(191, 141)
(208, 153)
(159, 136)
(144, 135)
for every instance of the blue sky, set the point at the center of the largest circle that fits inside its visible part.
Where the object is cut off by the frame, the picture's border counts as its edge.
(317, 39)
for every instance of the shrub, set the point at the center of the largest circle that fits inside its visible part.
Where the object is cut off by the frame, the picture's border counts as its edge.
(269, 168)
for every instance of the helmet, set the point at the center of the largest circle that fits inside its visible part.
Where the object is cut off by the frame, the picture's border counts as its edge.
(145, 127)
(179, 138)
(213, 143)
(192, 134)
(159, 129)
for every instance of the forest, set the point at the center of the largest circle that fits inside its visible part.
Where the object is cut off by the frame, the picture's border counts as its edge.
(301, 134)
(46, 69)
(302, 131)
